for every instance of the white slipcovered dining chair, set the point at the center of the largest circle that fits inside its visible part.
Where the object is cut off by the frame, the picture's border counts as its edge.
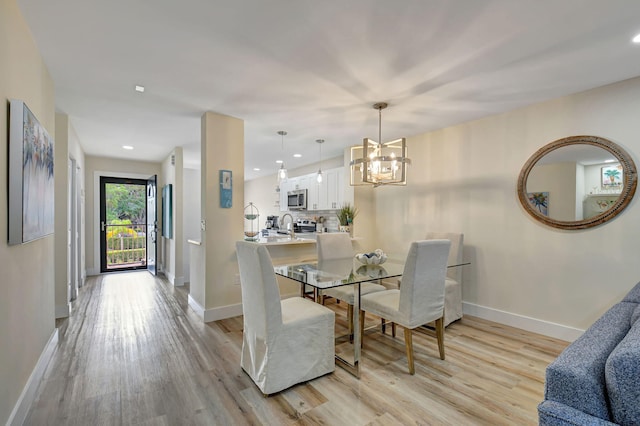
(337, 246)
(283, 342)
(420, 298)
(453, 282)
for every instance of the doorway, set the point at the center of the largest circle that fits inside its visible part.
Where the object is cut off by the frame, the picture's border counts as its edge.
(125, 224)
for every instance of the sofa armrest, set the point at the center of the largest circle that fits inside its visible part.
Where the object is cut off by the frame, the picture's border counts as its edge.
(552, 413)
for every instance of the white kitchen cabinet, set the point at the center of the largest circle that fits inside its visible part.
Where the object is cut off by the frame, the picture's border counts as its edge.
(310, 183)
(345, 191)
(331, 194)
(334, 191)
(284, 187)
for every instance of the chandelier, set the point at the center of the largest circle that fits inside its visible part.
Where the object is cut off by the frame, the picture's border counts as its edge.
(379, 163)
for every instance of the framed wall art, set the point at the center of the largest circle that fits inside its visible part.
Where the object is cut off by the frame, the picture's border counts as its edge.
(226, 188)
(539, 201)
(31, 184)
(612, 176)
(167, 211)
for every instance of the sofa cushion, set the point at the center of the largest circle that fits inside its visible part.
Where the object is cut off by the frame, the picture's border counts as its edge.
(634, 295)
(622, 373)
(636, 315)
(576, 378)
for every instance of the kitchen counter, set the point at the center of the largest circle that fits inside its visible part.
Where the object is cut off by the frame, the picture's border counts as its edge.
(275, 239)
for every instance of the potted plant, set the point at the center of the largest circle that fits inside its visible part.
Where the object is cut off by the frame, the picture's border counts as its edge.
(346, 214)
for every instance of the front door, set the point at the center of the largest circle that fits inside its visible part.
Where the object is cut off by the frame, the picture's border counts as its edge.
(152, 224)
(123, 224)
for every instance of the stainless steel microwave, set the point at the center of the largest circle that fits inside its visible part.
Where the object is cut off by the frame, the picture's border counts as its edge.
(297, 200)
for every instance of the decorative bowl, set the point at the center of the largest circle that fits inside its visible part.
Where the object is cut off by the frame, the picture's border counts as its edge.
(376, 257)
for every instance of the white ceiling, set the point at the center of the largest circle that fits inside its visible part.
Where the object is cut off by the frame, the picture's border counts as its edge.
(315, 68)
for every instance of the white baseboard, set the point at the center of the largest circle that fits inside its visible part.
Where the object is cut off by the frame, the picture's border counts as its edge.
(215, 314)
(27, 397)
(63, 311)
(533, 325)
(175, 281)
(199, 310)
(92, 272)
(222, 312)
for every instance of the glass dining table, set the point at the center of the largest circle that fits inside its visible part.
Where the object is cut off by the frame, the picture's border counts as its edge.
(341, 272)
(336, 273)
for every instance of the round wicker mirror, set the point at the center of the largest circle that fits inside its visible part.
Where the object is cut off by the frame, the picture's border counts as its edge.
(577, 182)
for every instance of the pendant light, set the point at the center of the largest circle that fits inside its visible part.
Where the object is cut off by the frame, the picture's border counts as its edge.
(377, 163)
(319, 177)
(282, 172)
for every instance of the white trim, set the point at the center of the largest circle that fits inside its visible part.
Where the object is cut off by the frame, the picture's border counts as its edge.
(178, 281)
(27, 397)
(92, 272)
(63, 311)
(223, 312)
(170, 277)
(199, 310)
(533, 325)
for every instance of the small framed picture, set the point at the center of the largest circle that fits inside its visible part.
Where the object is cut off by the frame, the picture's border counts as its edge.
(226, 188)
(539, 201)
(612, 176)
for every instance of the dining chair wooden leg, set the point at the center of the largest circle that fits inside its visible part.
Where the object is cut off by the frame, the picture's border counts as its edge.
(361, 328)
(408, 341)
(350, 321)
(440, 335)
(393, 329)
(383, 325)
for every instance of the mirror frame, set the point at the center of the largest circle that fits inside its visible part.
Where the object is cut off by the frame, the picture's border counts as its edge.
(630, 181)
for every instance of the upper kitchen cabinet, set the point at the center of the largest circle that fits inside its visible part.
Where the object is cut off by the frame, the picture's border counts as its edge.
(285, 186)
(332, 193)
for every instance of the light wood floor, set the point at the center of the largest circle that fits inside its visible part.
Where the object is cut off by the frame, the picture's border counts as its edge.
(133, 353)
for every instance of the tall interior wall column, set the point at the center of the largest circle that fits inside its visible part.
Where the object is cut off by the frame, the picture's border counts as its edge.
(222, 149)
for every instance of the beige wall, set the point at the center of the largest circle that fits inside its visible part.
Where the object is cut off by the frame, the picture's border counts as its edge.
(27, 289)
(463, 179)
(99, 166)
(222, 149)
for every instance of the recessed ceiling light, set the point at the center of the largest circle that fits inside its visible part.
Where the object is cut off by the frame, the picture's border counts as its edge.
(129, 147)
(297, 155)
(636, 39)
(279, 161)
(610, 161)
(256, 169)
(139, 88)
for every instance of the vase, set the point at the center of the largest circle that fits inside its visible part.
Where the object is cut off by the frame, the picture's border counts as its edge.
(345, 228)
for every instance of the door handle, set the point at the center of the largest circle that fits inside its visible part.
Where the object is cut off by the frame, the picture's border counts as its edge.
(102, 226)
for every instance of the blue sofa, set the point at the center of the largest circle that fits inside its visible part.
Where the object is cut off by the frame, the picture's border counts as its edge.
(596, 379)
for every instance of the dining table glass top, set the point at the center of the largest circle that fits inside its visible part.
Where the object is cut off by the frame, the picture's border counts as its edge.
(335, 273)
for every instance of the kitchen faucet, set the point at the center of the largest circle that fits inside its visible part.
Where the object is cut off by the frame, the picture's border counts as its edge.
(290, 230)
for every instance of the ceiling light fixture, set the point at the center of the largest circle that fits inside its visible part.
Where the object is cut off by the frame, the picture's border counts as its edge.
(297, 155)
(127, 147)
(139, 88)
(377, 163)
(282, 172)
(319, 177)
(256, 169)
(636, 39)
